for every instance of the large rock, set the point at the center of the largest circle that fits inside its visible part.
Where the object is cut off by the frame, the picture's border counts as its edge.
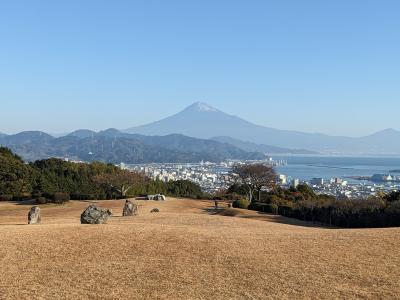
(95, 215)
(34, 215)
(130, 209)
(158, 197)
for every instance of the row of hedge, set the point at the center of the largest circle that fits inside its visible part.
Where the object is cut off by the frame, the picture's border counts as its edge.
(57, 198)
(264, 207)
(304, 204)
(347, 214)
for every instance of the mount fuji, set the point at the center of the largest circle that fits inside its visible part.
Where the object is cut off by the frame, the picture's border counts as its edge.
(201, 120)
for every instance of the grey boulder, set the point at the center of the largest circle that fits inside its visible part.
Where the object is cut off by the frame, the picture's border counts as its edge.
(95, 215)
(34, 215)
(130, 209)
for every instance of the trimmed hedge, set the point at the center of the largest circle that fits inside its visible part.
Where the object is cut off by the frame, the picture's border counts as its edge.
(304, 204)
(6, 197)
(341, 213)
(57, 198)
(41, 200)
(242, 203)
(60, 198)
(264, 207)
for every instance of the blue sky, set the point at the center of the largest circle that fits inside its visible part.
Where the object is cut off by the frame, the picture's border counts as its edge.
(315, 66)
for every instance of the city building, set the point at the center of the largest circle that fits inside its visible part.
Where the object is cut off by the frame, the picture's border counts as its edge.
(295, 183)
(282, 179)
(317, 181)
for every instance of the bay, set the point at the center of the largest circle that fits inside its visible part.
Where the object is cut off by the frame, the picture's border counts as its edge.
(308, 167)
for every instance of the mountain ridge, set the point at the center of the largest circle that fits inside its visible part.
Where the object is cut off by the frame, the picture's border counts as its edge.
(114, 146)
(266, 149)
(82, 133)
(201, 120)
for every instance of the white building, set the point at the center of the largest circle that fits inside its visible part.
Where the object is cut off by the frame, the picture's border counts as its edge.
(282, 179)
(295, 182)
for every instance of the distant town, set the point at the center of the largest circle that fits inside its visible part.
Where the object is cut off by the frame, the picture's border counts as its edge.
(342, 188)
(213, 177)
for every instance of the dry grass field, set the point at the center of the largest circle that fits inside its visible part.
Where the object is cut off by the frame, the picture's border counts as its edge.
(187, 252)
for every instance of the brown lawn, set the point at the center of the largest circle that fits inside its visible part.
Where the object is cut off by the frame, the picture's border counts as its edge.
(187, 252)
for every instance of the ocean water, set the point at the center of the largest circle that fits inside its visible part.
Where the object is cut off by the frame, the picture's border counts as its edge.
(308, 167)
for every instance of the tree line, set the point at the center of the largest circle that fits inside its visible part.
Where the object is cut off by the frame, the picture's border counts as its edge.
(255, 189)
(58, 180)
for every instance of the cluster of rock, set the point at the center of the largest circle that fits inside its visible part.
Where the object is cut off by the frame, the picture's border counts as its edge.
(94, 214)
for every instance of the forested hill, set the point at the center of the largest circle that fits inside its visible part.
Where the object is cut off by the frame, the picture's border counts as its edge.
(113, 146)
(56, 179)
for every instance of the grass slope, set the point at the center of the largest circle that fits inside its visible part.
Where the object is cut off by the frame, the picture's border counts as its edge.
(185, 252)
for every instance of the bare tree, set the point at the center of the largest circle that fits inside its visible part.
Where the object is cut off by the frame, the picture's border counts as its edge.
(255, 177)
(121, 181)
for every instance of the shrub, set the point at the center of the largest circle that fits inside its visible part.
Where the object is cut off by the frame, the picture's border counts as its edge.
(231, 196)
(41, 200)
(242, 203)
(36, 195)
(255, 206)
(184, 188)
(393, 196)
(75, 196)
(271, 208)
(6, 197)
(57, 198)
(21, 197)
(304, 204)
(264, 207)
(286, 211)
(60, 198)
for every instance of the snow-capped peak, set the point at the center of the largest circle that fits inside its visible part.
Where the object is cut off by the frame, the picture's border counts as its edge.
(204, 107)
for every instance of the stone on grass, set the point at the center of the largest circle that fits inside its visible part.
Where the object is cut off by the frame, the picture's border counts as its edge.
(157, 197)
(95, 215)
(130, 209)
(34, 215)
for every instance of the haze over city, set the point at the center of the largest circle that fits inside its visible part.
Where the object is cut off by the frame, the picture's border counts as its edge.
(301, 65)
